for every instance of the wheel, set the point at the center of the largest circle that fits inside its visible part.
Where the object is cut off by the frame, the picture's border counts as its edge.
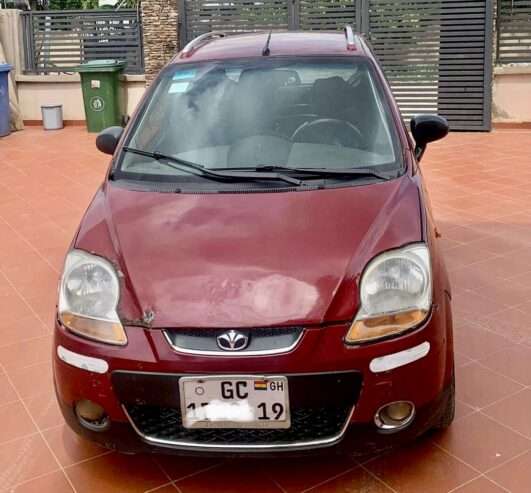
(448, 413)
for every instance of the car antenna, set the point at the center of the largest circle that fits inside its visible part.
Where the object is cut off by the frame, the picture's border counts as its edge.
(266, 51)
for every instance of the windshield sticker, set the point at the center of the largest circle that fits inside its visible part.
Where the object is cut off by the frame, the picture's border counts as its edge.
(184, 75)
(178, 87)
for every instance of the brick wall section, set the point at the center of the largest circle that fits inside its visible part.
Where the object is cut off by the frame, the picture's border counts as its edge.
(159, 21)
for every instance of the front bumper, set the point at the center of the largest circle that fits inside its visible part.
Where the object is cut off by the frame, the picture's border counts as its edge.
(155, 369)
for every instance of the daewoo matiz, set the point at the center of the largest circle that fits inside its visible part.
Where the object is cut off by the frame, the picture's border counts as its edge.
(259, 272)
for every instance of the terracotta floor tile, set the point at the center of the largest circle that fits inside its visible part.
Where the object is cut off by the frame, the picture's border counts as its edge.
(515, 476)
(15, 421)
(462, 409)
(476, 342)
(480, 485)
(70, 448)
(466, 254)
(27, 353)
(503, 267)
(294, 475)
(469, 277)
(55, 482)
(44, 307)
(24, 459)
(481, 442)
(478, 386)
(13, 308)
(422, 467)
(514, 363)
(169, 488)
(475, 305)
(230, 477)
(497, 245)
(32, 380)
(462, 234)
(116, 473)
(522, 279)
(514, 412)
(180, 467)
(44, 409)
(22, 329)
(459, 358)
(511, 323)
(505, 292)
(7, 392)
(354, 481)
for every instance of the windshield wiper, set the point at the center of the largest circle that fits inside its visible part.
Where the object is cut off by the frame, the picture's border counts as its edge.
(331, 172)
(199, 170)
(322, 172)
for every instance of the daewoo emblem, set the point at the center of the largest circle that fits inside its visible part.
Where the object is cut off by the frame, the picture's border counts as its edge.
(232, 341)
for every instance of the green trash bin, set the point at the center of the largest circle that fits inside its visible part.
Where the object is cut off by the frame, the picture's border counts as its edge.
(100, 81)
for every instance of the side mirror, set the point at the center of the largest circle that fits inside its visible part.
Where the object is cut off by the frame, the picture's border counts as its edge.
(108, 139)
(426, 129)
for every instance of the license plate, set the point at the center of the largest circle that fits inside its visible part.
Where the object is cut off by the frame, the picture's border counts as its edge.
(234, 402)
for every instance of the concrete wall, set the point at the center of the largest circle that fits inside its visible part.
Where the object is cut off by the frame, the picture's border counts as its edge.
(36, 90)
(511, 94)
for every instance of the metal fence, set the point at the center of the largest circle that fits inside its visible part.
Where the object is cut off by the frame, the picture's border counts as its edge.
(197, 17)
(57, 40)
(437, 54)
(513, 30)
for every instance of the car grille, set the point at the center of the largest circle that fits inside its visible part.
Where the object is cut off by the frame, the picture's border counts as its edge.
(161, 423)
(320, 406)
(260, 341)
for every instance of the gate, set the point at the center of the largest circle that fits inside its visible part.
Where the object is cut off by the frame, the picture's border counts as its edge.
(197, 17)
(57, 40)
(437, 54)
(513, 23)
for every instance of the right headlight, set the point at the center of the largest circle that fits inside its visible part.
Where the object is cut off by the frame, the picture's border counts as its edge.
(395, 294)
(88, 298)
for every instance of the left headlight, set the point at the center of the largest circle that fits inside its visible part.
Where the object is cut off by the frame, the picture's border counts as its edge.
(88, 298)
(395, 294)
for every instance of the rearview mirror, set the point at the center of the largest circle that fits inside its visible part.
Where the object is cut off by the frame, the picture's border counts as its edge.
(108, 139)
(426, 129)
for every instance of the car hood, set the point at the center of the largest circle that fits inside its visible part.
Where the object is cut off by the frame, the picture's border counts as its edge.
(249, 259)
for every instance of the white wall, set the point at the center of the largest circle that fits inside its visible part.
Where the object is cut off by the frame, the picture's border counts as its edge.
(511, 94)
(36, 90)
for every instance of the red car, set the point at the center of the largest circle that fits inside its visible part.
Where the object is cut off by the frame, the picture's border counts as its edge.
(259, 272)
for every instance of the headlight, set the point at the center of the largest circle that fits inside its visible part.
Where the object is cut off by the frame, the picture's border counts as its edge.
(395, 294)
(88, 297)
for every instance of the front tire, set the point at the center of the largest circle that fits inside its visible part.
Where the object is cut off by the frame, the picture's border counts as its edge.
(448, 413)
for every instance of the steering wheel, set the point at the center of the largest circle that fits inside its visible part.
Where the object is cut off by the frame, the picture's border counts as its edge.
(330, 131)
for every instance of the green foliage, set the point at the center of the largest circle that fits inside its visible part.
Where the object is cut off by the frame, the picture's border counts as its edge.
(85, 4)
(72, 4)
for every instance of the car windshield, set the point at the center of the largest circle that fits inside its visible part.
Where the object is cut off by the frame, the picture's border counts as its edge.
(319, 114)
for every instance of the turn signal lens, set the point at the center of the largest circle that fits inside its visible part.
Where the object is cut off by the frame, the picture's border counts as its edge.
(99, 330)
(384, 325)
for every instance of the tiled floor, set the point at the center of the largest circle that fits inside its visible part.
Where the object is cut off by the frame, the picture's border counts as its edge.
(480, 187)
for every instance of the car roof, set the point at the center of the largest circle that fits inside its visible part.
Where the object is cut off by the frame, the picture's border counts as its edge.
(218, 46)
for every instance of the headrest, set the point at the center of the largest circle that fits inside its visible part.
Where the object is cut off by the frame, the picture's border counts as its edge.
(329, 97)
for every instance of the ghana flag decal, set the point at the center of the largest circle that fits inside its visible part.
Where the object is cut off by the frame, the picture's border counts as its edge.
(260, 385)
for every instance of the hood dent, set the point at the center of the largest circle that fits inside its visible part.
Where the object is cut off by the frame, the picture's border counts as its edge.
(255, 259)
